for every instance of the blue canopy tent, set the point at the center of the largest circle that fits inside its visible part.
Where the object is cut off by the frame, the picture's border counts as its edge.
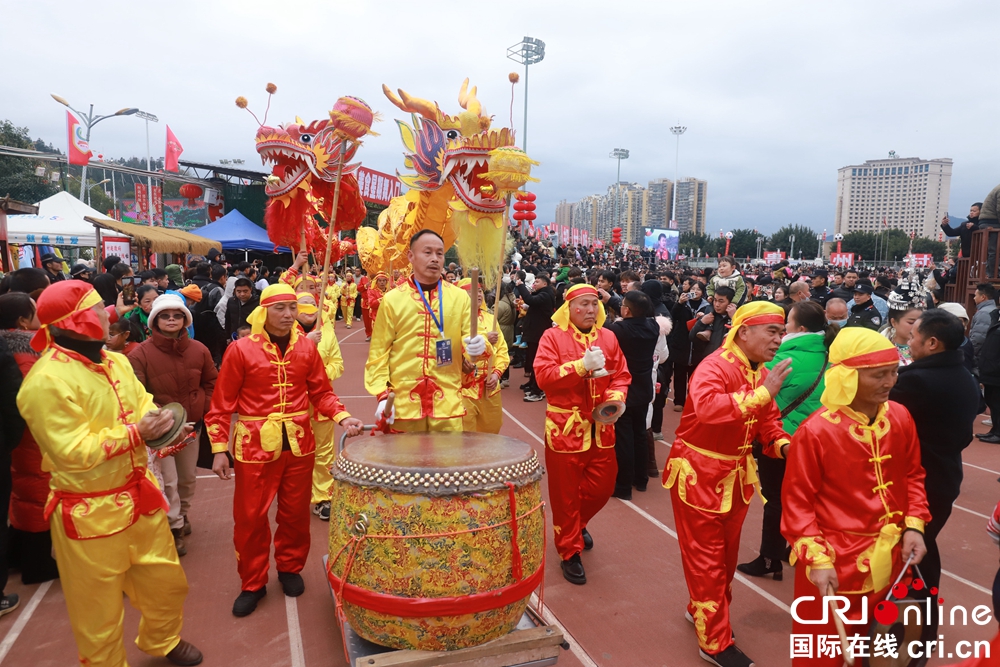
(235, 232)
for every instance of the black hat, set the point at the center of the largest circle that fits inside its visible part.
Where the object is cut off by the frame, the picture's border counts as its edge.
(821, 273)
(863, 287)
(49, 257)
(80, 268)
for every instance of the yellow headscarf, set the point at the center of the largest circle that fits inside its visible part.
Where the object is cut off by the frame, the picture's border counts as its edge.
(854, 348)
(561, 317)
(273, 294)
(753, 314)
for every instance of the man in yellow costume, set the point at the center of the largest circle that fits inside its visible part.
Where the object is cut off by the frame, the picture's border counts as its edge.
(92, 418)
(481, 378)
(348, 294)
(324, 429)
(418, 343)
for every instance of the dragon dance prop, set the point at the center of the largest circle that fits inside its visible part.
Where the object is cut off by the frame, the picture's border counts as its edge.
(311, 178)
(464, 175)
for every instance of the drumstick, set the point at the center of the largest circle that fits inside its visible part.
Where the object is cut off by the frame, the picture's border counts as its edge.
(390, 398)
(841, 630)
(474, 295)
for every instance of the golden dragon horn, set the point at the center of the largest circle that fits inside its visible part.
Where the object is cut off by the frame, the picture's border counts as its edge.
(467, 99)
(411, 104)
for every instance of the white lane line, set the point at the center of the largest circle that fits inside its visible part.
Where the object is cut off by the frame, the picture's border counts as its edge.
(294, 632)
(341, 340)
(972, 584)
(974, 512)
(574, 646)
(739, 577)
(995, 472)
(360, 396)
(23, 618)
(526, 429)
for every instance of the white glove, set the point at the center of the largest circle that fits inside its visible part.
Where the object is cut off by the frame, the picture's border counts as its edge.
(593, 359)
(381, 408)
(474, 347)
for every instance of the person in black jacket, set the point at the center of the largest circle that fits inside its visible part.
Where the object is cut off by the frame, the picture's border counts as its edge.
(943, 399)
(690, 304)
(711, 329)
(965, 230)
(11, 428)
(988, 362)
(864, 313)
(238, 308)
(637, 333)
(541, 302)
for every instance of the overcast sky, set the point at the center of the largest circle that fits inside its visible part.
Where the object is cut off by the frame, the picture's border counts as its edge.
(776, 95)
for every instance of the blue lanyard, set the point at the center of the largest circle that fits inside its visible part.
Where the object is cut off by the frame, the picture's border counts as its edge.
(439, 323)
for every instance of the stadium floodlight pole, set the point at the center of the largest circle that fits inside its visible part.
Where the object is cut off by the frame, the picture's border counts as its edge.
(791, 251)
(529, 51)
(149, 162)
(677, 131)
(89, 120)
(618, 154)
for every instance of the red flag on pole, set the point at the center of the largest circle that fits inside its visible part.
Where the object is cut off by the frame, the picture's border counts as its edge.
(79, 151)
(172, 153)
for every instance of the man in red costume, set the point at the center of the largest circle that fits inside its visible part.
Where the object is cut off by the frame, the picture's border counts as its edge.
(579, 452)
(712, 474)
(372, 300)
(853, 500)
(268, 379)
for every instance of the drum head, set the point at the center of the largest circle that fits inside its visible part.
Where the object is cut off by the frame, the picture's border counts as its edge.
(908, 627)
(608, 412)
(180, 416)
(438, 463)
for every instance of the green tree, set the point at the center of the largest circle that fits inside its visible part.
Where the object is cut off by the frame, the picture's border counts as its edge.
(744, 244)
(937, 249)
(17, 174)
(690, 242)
(805, 240)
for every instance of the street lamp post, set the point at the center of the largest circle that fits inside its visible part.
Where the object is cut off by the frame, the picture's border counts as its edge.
(106, 180)
(529, 51)
(677, 131)
(618, 154)
(89, 120)
(821, 238)
(791, 251)
(149, 162)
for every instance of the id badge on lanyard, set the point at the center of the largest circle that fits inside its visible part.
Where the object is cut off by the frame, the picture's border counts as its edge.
(442, 353)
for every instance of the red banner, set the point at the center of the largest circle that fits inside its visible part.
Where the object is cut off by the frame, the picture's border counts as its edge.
(842, 258)
(158, 204)
(142, 202)
(377, 187)
(79, 150)
(773, 257)
(923, 258)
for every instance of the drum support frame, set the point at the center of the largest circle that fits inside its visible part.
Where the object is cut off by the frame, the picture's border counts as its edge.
(528, 645)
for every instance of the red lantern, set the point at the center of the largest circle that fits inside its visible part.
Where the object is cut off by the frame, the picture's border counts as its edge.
(616, 235)
(521, 206)
(520, 215)
(530, 215)
(190, 191)
(528, 196)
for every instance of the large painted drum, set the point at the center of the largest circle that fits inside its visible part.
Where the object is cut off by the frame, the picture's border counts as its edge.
(441, 536)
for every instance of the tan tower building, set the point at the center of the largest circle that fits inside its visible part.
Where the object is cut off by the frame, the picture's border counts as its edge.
(910, 194)
(692, 200)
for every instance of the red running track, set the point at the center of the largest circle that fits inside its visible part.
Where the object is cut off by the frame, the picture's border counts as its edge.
(630, 613)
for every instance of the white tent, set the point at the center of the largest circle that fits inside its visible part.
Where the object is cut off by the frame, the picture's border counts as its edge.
(59, 222)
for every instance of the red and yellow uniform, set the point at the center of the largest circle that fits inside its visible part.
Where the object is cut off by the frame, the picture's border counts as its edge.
(851, 488)
(483, 407)
(370, 302)
(364, 284)
(403, 356)
(273, 443)
(108, 517)
(579, 452)
(711, 472)
(348, 293)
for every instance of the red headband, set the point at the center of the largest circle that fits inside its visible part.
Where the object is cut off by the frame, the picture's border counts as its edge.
(873, 359)
(765, 318)
(278, 298)
(580, 290)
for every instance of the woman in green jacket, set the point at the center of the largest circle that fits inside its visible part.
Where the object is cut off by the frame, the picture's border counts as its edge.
(807, 340)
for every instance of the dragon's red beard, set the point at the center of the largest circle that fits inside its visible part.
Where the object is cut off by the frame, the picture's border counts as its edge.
(285, 223)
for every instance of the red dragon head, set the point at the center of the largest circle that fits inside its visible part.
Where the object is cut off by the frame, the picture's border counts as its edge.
(299, 153)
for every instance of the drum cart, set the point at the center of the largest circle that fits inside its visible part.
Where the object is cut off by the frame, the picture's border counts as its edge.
(533, 643)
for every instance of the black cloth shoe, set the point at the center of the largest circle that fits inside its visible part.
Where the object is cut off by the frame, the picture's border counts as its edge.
(988, 437)
(292, 584)
(641, 486)
(524, 387)
(572, 569)
(731, 657)
(185, 653)
(179, 541)
(247, 601)
(187, 527)
(761, 567)
(588, 541)
(623, 494)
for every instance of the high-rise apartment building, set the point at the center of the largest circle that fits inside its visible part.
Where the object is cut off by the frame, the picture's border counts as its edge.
(564, 213)
(906, 193)
(692, 195)
(660, 201)
(585, 215)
